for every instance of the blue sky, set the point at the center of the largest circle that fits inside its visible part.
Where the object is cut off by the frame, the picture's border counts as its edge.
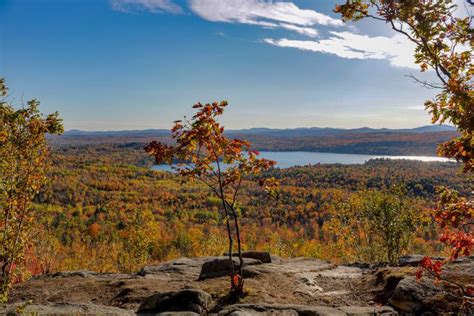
(137, 64)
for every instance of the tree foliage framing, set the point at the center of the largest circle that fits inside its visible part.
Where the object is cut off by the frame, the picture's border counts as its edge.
(23, 165)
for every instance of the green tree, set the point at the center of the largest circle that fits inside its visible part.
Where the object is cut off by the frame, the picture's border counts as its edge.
(393, 219)
(377, 225)
(23, 165)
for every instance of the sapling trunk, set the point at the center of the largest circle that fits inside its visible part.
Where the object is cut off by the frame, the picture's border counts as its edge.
(229, 234)
(239, 244)
(235, 288)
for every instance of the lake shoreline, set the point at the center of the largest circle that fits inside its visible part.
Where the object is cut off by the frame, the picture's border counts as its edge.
(288, 159)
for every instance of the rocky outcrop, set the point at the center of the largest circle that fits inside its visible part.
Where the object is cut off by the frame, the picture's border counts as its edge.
(191, 303)
(295, 286)
(187, 300)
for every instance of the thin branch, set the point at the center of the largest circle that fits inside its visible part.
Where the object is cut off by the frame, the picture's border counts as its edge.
(435, 58)
(424, 83)
(376, 17)
(463, 290)
(423, 43)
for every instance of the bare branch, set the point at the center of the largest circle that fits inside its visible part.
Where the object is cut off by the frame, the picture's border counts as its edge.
(424, 83)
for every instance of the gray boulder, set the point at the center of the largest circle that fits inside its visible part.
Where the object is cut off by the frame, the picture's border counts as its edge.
(222, 266)
(187, 300)
(412, 296)
(263, 256)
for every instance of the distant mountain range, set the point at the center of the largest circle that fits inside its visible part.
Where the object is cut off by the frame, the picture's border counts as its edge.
(378, 141)
(289, 132)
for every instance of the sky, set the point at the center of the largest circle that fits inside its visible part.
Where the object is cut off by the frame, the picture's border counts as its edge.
(140, 64)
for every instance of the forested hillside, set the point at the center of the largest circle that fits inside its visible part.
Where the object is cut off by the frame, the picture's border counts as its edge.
(422, 141)
(105, 210)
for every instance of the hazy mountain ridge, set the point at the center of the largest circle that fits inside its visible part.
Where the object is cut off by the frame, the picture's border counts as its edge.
(301, 131)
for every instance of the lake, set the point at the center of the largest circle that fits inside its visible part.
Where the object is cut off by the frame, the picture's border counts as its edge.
(287, 159)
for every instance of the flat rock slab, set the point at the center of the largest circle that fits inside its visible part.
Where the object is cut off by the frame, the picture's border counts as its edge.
(178, 266)
(290, 310)
(278, 309)
(62, 309)
(299, 265)
(341, 272)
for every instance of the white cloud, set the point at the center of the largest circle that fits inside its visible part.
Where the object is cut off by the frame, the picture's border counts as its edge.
(396, 49)
(154, 6)
(270, 14)
(302, 30)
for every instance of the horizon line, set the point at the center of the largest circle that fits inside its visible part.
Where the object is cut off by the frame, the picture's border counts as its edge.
(262, 127)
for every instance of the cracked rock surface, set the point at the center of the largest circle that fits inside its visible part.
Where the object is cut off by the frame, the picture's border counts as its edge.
(296, 286)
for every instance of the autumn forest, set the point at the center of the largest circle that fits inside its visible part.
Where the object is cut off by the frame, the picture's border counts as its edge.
(106, 210)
